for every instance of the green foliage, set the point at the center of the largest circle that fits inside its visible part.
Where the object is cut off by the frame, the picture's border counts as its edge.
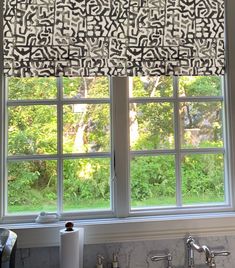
(86, 179)
(200, 86)
(152, 86)
(32, 185)
(98, 127)
(32, 130)
(155, 124)
(32, 88)
(203, 175)
(152, 177)
(78, 87)
(204, 118)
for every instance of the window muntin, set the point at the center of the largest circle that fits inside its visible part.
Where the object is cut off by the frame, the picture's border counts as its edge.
(97, 154)
(195, 175)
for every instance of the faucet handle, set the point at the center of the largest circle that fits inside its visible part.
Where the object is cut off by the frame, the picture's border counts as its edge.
(100, 259)
(220, 253)
(167, 257)
(214, 254)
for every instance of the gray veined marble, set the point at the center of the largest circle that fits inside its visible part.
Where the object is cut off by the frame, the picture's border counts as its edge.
(133, 254)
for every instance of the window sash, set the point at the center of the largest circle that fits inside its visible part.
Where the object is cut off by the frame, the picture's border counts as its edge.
(59, 102)
(178, 152)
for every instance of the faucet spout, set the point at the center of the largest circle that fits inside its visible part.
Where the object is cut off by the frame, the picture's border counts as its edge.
(201, 249)
(208, 254)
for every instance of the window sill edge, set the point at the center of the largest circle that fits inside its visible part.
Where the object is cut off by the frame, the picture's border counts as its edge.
(32, 235)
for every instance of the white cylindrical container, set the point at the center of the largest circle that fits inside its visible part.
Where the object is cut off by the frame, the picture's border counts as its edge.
(71, 247)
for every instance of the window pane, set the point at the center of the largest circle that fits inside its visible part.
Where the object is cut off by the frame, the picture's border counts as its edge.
(86, 87)
(31, 88)
(32, 186)
(153, 181)
(87, 184)
(201, 124)
(86, 128)
(149, 86)
(151, 126)
(192, 86)
(202, 178)
(32, 130)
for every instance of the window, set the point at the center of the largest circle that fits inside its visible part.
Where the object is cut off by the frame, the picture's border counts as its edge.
(177, 142)
(68, 146)
(59, 145)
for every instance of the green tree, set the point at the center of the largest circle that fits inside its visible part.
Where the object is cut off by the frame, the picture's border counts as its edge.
(86, 128)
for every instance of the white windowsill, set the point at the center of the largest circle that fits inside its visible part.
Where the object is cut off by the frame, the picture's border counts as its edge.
(131, 229)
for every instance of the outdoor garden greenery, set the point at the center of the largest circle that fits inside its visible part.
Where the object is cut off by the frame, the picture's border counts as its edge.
(32, 130)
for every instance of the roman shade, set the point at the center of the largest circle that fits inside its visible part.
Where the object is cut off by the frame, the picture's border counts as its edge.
(113, 37)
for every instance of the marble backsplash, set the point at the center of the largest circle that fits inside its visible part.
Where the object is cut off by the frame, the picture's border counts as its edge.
(133, 254)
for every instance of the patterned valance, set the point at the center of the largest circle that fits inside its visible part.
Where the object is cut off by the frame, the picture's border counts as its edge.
(113, 37)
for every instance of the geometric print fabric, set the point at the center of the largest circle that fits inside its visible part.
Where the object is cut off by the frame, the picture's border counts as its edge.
(113, 37)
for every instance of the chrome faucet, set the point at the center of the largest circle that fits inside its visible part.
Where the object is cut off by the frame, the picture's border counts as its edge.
(167, 257)
(210, 255)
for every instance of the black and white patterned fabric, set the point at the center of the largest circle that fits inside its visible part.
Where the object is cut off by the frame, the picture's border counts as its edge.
(113, 37)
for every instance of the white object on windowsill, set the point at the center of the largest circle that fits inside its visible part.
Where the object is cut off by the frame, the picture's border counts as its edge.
(44, 217)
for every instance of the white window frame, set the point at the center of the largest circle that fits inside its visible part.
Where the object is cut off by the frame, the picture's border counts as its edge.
(144, 228)
(178, 151)
(120, 182)
(59, 101)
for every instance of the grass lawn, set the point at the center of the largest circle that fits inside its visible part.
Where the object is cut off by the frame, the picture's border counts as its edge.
(78, 205)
